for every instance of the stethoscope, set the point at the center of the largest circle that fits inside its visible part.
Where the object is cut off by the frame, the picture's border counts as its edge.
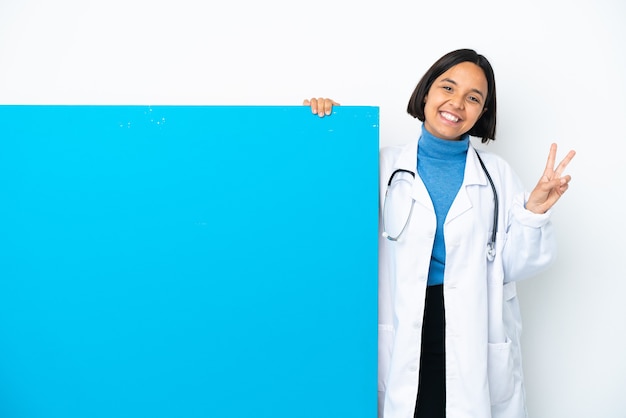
(491, 245)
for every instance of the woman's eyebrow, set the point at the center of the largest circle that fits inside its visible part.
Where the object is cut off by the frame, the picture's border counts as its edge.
(451, 81)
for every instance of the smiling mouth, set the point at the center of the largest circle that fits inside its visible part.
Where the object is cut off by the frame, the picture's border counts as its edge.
(449, 117)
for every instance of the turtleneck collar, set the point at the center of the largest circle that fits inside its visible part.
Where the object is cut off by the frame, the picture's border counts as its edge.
(443, 149)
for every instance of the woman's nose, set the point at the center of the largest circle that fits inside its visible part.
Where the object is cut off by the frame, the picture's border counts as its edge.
(457, 102)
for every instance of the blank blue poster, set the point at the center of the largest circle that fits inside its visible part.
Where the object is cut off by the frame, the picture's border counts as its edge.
(188, 261)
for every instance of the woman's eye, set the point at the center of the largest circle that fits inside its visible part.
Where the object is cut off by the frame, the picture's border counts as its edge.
(447, 88)
(474, 99)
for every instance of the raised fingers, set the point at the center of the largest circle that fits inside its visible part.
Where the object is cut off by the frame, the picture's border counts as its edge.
(550, 172)
(563, 164)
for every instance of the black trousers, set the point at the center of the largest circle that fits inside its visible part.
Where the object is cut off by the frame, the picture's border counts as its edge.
(431, 393)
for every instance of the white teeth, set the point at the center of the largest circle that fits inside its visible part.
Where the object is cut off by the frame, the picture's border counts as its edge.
(449, 117)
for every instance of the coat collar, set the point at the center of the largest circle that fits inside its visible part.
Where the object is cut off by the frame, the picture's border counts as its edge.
(473, 176)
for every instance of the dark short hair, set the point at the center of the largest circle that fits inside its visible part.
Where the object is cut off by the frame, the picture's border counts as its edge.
(485, 126)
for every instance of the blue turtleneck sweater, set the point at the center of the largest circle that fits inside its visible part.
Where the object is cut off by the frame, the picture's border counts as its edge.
(441, 166)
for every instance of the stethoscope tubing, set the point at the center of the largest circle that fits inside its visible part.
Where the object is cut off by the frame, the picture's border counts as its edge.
(491, 245)
(385, 234)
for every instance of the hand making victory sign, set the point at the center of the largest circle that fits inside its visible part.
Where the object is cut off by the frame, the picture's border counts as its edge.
(551, 185)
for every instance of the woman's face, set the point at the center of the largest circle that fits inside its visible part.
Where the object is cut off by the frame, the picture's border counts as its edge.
(455, 101)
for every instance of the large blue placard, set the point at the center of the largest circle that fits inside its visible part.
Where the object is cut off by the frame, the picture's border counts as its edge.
(188, 261)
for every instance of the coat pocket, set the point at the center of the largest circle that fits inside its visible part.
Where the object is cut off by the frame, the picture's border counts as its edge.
(501, 372)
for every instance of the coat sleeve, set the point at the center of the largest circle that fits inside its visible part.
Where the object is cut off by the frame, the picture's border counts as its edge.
(530, 244)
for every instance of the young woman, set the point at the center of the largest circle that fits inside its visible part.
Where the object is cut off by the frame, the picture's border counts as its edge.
(457, 231)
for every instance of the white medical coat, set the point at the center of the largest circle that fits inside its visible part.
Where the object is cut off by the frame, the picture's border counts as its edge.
(482, 319)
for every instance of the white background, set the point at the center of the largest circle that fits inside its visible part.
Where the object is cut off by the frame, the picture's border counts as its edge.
(560, 70)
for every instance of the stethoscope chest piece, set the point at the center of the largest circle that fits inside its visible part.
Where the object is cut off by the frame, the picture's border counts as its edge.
(491, 251)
